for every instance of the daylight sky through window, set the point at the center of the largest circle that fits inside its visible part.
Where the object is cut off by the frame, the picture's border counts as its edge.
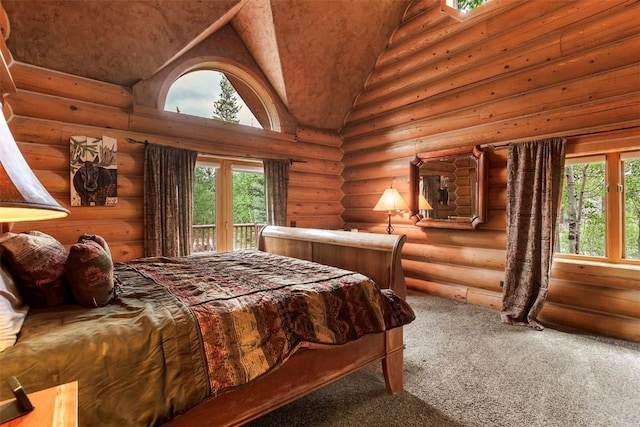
(195, 92)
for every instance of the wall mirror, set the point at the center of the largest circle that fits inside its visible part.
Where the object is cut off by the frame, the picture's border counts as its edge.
(448, 189)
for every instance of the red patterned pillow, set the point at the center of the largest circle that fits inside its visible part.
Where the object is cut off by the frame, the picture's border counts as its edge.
(36, 261)
(89, 271)
(96, 238)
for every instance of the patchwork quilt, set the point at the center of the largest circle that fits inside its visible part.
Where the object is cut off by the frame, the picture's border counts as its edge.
(254, 308)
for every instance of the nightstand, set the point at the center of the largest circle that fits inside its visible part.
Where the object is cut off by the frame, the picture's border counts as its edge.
(55, 406)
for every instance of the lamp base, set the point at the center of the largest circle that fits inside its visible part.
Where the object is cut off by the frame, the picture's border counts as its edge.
(389, 227)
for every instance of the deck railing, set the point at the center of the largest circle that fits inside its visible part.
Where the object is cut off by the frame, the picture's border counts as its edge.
(204, 236)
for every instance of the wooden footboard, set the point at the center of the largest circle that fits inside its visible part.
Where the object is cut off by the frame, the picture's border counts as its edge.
(378, 257)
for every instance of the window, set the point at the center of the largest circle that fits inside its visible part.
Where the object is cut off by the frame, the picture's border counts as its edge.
(465, 5)
(228, 204)
(465, 9)
(631, 215)
(229, 200)
(209, 94)
(600, 210)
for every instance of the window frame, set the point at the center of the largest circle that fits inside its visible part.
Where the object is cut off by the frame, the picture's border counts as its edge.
(223, 65)
(224, 193)
(613, 152)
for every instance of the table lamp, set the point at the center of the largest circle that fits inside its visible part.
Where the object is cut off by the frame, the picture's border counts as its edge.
(22, 196)
(392, 202)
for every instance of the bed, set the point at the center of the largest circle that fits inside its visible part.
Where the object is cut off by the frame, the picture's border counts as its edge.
(156, 354)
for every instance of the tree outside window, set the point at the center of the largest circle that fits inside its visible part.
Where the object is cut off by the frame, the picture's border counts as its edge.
(465, 5)
(226, 107)
(601, 207)
(196, 92)
(631, 187)
(204, 195)
(582, 226)
(249, 205)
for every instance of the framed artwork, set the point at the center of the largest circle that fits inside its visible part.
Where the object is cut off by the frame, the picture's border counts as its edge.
(94, 171)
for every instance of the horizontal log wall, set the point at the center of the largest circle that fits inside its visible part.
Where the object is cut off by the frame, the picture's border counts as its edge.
(526, 71)
(49, 107)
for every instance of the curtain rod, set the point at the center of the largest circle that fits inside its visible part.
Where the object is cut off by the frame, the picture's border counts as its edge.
(501, 145)
(135, 141)
(145, 142)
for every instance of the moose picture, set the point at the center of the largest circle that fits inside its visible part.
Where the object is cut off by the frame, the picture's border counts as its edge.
(94, 173)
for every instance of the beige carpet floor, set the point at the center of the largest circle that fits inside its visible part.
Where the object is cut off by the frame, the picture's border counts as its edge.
(465, 368)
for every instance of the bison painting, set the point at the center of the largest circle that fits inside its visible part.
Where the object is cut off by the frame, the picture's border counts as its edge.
(93, 173)
(93, 184)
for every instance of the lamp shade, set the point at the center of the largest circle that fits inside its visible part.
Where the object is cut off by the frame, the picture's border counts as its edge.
(423, 204)
(390, 201)
(22, 196)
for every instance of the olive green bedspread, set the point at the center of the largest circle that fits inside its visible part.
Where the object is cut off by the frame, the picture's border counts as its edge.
(138, 361)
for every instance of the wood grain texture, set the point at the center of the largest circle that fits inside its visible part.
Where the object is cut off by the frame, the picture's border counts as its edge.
(526, 72)
(54, 407)
(50, 107)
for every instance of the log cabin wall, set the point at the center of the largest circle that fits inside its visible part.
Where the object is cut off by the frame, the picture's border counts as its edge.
(514, 71)
(49, 107)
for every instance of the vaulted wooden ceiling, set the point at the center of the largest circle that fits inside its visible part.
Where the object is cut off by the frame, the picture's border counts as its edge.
(316, 54)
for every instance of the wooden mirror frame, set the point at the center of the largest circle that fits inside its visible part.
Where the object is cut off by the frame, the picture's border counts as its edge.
(483, 184)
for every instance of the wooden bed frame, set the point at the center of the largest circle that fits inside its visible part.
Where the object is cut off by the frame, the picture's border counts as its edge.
(376, 255)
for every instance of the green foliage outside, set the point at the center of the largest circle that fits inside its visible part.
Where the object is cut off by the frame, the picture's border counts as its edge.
(467, 5)
(631, 174)
(582, 228)
(204, 196)
(226, 108)
(583, 207)
(248, 198)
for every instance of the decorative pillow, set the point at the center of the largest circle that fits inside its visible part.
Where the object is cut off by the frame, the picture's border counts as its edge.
(12, 311)
(98, 239)
(89, 272)
(36, 262)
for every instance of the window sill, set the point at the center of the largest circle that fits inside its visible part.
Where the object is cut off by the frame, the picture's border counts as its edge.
(572, 263)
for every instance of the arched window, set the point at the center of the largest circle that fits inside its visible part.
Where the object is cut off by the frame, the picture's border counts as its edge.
(205, 89)
(209, 94)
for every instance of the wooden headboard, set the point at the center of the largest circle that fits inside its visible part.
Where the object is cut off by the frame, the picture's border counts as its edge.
(377, 256)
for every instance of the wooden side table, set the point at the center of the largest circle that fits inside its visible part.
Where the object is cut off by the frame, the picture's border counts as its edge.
(55, 407)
